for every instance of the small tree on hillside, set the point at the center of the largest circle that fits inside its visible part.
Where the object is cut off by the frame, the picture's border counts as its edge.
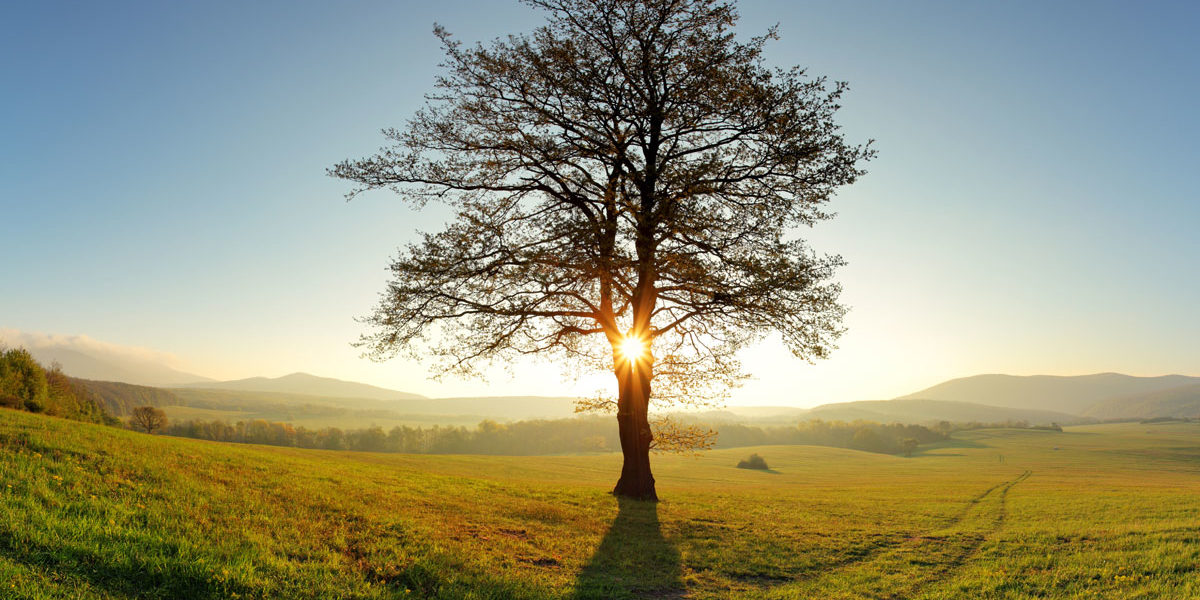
(629, 180)
(148, 418)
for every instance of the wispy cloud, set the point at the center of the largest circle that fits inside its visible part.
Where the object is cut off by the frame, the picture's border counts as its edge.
(86, 345)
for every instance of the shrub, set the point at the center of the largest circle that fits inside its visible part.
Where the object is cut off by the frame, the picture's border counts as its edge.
(8, 401)
(754, 462)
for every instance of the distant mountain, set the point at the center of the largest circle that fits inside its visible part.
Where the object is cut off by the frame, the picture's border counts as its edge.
(98, 362)
(1074, 395)
(924, 411)
(914, 411)
(1182, 402)
(309, 385)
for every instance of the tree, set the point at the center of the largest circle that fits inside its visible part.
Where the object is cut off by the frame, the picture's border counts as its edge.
(21, 377)
(909, 445)
(148, 418)
(628, 180)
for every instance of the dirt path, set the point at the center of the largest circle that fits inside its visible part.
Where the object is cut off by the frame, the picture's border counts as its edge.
(905, 568)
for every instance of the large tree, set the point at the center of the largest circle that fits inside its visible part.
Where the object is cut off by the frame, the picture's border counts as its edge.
(629, 180)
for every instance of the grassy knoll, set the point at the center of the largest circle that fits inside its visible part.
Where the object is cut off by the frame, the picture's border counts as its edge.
(1108, 511)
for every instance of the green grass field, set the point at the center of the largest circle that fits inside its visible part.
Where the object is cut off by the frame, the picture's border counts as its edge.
(1107, 511)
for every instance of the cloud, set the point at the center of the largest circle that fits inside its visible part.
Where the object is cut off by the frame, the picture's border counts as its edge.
(86, 345)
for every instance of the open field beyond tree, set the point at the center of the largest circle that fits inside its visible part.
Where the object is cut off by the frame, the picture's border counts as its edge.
(1106, 511)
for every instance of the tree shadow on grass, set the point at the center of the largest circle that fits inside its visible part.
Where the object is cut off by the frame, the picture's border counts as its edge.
(633, 560)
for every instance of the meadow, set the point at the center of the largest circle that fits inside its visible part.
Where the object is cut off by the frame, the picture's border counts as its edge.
(1104, 511)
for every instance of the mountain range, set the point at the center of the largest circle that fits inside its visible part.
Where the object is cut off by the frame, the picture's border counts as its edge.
(312, 385)
(983, 398)
(1074, 394)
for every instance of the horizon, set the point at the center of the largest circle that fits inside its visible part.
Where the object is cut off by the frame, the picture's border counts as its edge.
(1028, 212)
(947, 249)
(151, 356)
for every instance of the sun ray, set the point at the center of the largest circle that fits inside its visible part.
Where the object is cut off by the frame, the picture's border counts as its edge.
(633, 348)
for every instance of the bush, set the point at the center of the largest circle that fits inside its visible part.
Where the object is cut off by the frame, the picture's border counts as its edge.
(754, 462)
(8, 401)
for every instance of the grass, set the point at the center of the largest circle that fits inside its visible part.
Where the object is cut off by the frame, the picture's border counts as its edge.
(1106, 511)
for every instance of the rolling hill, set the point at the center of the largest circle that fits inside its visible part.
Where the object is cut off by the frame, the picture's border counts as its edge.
(1073, 395)
(917, 410)
(908, 411)
(311, 385)
(119, 399)
(1180, 402)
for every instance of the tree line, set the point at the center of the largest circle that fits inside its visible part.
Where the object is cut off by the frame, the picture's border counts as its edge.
(553, 436)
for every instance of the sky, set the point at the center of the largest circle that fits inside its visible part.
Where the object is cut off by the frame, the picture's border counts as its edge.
(1033, 208)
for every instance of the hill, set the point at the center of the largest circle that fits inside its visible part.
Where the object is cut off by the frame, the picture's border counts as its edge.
(909, 411)
(1180, 402)
(316, 411)
(92, 512)
(352, 413)
(1073, 395)
(916, 410)
(420, 409)
(310, 385)
(119, 399)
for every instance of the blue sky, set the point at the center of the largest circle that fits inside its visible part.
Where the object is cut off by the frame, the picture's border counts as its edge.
(1033, 208)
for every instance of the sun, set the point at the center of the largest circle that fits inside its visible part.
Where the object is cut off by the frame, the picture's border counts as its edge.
(633, 348)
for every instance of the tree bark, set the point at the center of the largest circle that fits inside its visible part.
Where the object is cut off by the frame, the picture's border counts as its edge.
(633, 381)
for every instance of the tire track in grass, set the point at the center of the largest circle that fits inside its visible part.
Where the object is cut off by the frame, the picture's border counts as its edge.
(902, 569)
(969, 551)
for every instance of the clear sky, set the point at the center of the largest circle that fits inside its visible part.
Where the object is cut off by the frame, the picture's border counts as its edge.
(1034, 207)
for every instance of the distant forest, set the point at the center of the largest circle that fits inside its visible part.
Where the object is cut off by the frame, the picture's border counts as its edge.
(27, 385)
(558, 436)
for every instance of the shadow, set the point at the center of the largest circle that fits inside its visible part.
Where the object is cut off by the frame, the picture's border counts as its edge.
(633, 560)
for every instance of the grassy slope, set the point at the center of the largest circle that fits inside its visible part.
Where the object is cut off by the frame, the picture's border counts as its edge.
(95, 512)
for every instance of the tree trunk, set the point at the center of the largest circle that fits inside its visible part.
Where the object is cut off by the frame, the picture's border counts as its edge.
(633, 381)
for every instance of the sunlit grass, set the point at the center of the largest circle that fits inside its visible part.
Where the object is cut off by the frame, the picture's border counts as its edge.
(1105, 511)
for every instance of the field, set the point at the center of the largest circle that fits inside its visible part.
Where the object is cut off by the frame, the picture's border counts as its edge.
(1104, 511)
(317, 418)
